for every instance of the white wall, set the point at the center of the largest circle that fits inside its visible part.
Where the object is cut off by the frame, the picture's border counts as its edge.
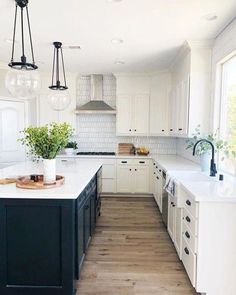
(98, 132)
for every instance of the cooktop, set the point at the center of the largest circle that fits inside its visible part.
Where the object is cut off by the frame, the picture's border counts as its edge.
(96, 154)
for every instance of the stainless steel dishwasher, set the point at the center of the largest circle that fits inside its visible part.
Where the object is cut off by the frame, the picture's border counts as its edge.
(164, 200)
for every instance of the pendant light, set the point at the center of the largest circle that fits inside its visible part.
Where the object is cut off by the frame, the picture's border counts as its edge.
(22, 81)
(59, 98)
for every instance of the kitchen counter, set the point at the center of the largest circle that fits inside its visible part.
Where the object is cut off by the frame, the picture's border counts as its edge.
(174, 162)
(77, 176)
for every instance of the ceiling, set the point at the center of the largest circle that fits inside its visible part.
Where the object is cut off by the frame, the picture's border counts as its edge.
(152, 30)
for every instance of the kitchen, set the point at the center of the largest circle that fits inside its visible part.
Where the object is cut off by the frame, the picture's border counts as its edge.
(112, 100)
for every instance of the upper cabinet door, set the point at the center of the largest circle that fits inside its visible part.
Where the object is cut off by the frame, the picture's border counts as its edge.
(124, 118)
(173, 111)
(141, 114)
(12, 121)
(183, 113)
(159, 103)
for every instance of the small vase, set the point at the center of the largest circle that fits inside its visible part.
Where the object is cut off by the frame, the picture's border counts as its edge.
(205, 161)
(49, 170)
(69, 151)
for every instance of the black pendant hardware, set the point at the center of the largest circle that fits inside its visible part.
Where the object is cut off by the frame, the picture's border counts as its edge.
(56, 83)
(22, 64)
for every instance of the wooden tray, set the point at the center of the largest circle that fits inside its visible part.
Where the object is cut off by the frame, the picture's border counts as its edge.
(25, 182)
(7, 181)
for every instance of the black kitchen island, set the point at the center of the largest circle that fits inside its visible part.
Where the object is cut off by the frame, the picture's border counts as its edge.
(43, 240)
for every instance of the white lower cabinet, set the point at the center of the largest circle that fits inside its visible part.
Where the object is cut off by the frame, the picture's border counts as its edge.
(132, 176)
(174, 226)
(157, 184)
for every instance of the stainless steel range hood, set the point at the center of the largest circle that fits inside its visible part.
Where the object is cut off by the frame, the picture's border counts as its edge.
(96, 105)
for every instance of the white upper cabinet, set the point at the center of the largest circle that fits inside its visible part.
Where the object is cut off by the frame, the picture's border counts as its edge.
(190, 93)
(159, 102)
(133, 94)
(46, 114)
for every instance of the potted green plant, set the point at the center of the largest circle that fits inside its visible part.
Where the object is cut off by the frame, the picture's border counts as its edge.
(46, 142)
(71, 147)
(204, 149)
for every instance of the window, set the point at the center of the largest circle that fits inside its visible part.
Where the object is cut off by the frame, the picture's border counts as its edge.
(228, 112)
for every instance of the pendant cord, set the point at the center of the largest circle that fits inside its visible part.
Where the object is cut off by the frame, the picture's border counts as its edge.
(63, 66)
(53, 66)
(30, 35)
(57, 66)
(14, 35)
(22, 33)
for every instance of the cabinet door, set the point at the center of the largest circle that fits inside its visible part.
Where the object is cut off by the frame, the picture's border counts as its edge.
(124, 118)
(159, 187)
(87, 224)
(93, 211)
(141, 179)
(173, 112)
(178, 230)
(183, 103)
(124, 179)
(171, 218)
(159, 107)
(80, 240)
(141, 114)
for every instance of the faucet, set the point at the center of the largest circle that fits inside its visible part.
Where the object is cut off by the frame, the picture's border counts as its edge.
(213, 170)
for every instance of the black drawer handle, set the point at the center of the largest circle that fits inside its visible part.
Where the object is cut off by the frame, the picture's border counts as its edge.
(186, 250)
(135, 130)
(135, 169)
(141, 162)
(187, 235)
(162, 130)
(180, 129)
(124, 162)
(172, 203)
(171, 129)
(154, 173)
(157, 177)
(159, 170)
(188, 219)
(130, 130)
(188, 203)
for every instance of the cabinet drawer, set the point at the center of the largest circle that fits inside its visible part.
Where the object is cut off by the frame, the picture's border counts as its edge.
(125, 161)
(190, 237)
(108, 171)
(142, 162)
(190, 221)
(189, 261)
(190, 205)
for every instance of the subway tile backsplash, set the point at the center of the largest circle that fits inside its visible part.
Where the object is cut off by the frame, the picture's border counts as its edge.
(97, 132)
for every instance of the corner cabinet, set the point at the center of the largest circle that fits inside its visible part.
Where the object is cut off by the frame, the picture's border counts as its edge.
(132, 117)
(189, 100)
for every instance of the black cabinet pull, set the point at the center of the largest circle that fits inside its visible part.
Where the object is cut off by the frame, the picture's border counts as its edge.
(159, 170)
(186, 250)
(154, 173)
(188, 203)
(124, 162)
(180, 129)
(141, 162)
(162, 130)
(187, 235)
(172, 203)
(135, 169)
(130, 169)
(154, 164)
(130, 130)
(171, 129)
(157, 177)
(188, 219)
(135, 130)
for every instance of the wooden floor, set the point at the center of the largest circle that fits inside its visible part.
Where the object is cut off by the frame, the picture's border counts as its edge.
(131, 253)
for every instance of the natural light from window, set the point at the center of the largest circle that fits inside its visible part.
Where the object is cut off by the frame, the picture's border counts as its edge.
(228, 112)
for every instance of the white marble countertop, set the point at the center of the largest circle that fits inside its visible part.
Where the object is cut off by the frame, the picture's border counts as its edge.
(77, 176)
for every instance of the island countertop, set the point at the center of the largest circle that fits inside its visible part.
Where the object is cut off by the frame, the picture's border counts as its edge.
(77, 176)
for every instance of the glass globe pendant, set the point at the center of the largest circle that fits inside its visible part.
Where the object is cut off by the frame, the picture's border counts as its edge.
(59, 98)
(22, 80)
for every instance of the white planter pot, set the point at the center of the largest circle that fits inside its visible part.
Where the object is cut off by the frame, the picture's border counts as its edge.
(69, 151)
(49, 170)
(205, 161)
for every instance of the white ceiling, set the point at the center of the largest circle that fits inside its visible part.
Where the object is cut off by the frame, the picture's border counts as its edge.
(152, 30)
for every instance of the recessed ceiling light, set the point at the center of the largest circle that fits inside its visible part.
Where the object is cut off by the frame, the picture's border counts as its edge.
(117, 41)
(119, 62)
(210, 17)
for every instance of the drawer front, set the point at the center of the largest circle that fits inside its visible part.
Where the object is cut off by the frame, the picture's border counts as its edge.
(190, 205)
(108, 171)
(190, 221)
(189, 261)
(190, 238)
(125, 161)
(142, 162)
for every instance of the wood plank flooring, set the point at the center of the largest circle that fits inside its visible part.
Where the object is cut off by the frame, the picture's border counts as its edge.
(131, 253)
